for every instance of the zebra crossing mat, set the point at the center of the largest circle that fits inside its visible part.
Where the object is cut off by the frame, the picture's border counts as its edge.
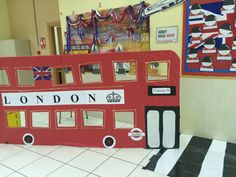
(196, 157)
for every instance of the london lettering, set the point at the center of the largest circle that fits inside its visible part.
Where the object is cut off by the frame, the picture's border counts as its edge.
(63, 98)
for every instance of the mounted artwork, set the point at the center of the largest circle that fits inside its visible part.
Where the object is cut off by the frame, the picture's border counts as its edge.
(108, 30)
(91, 100)
(209, 45)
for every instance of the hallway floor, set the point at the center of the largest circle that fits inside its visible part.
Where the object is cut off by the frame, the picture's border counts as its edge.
(62, 161)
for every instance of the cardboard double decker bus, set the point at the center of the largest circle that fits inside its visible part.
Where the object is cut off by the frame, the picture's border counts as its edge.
(126, 99)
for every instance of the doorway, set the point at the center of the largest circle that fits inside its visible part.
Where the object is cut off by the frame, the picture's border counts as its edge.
(162, 127)
(55, 38)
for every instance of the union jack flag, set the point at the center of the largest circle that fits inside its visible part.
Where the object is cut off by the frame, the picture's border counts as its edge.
(42, 73)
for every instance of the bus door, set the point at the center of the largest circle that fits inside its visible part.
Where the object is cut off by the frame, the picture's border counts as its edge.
(162, 127)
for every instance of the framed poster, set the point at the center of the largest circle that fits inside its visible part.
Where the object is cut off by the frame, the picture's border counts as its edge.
(167, 34)
(209, 41)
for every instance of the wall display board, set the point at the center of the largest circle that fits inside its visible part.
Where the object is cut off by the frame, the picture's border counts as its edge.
(108, 30)
(209, 45)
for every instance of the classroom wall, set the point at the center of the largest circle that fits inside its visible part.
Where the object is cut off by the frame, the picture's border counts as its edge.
(207, 107)
(207, 104)
(5, 29)
(21, 16)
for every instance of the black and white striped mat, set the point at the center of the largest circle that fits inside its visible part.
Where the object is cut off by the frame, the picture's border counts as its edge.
(196, 157)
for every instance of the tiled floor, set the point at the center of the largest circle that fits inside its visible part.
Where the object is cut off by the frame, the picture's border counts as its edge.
(62, 161)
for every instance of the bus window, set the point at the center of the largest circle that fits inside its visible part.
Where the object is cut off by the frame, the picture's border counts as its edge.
(125, 71)
(91, 73)
(3, 77)
(157, 71)
(25, 77)
(40, 119)
(93, 118)
(15, 119)
(124, 119)
(66, 119)
(63, 75)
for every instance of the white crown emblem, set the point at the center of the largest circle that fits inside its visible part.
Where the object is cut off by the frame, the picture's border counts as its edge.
(113, 98)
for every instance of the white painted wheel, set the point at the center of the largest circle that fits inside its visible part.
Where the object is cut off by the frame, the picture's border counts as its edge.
(109, 141)
(28, 139)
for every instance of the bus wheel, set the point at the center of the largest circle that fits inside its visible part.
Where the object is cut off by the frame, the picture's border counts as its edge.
(109, 141)
(28, 139)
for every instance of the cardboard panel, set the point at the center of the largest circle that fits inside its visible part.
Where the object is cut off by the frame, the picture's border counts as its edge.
(109, 96)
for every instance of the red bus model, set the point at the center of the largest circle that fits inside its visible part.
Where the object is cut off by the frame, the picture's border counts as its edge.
(95, 100)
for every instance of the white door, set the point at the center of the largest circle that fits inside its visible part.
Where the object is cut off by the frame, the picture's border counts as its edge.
(153, 134)
(169, 126)
(162, 127)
